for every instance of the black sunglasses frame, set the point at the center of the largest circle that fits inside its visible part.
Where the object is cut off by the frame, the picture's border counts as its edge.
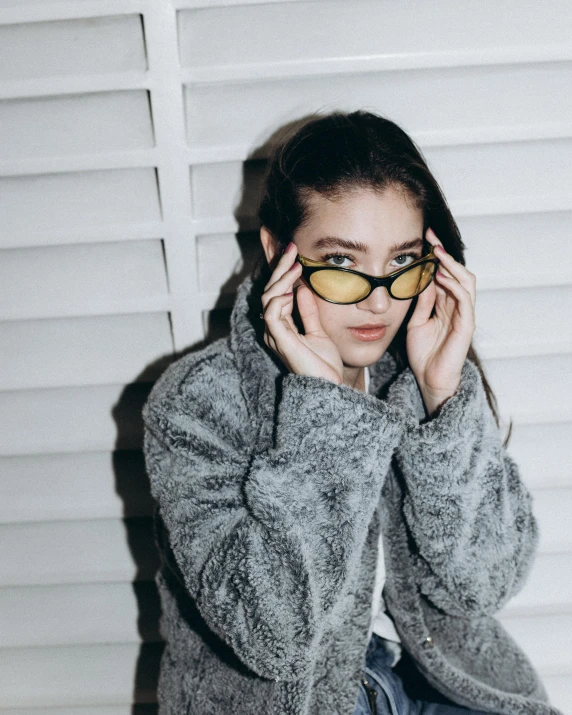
(310, 266)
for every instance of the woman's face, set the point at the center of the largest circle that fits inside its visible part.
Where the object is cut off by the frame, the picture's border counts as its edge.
(364, 230)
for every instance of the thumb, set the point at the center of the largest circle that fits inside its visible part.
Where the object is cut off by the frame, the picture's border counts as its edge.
(308, 309)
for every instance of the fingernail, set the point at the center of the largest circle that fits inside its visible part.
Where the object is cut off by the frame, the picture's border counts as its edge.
(289, 293)
(289, 247)
(293, 266)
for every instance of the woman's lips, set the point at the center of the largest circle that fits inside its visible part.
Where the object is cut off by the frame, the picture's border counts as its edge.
(367, 334)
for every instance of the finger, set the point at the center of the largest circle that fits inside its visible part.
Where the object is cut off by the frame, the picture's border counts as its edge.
(283, 284)
(280, 329)
(453, 269)
(464, 302)
(308, 309)
(283, 265)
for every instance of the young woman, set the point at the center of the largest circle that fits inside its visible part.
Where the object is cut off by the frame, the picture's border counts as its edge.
(337, 514)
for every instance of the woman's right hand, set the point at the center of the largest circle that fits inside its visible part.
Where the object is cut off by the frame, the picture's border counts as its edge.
(312, 354)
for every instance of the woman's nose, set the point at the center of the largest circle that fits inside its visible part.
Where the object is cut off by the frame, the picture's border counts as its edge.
(378, 301)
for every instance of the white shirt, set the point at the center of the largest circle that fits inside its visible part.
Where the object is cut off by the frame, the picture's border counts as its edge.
(380, 621)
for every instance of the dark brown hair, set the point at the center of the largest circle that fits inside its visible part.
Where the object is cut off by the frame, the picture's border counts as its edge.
(330, 154)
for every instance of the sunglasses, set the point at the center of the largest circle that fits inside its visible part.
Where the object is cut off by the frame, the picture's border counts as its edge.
(345, 286)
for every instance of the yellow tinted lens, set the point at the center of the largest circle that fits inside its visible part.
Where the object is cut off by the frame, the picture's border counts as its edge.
(339, 286)
(412, 282)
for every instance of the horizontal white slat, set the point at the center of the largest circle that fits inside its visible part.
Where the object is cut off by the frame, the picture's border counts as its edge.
(79, 124)
(84, 485)
(504, 251)
(88, 233)
(546, 640)
(553, 508)
(476, 179)
(543, 453)
(87, 551)
(84, 351)
(96, 550)
(548, 587)
(80, 418)
(102, 485)
(72, 419)
(18, 11)
(532, 389)
(79, 613)
(100, 278)
(559, 689)
(224, 260)
(70, 200)
(488, 178)
(73, 47)
(78, 675)
(68, 614)
(366, 34)
(491, 111)
(524, 321)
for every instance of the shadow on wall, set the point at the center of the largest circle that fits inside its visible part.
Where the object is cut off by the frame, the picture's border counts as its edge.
(131, 481)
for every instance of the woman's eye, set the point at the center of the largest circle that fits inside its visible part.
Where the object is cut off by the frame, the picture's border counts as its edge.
(337, 259)
(411, 257)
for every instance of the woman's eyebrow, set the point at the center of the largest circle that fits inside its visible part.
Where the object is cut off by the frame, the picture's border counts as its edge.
(335, 241)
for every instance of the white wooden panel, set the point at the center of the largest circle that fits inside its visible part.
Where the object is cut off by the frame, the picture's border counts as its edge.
(75, 614)
(396, 34)
(532, 389)
(477, 179)
(523, 321)
(85, 485)
(546, 640)
(76, 124)
(517, 250)
(58, 281)
(73, 47)
(504, 101)
(67, 614)
(69, 200)
(72, 419)
(77, 675)
(548, 587)
(97, 550)
(553, 508)
(218, 189)
(559, 689)
(543, 453)
(489, 178)
(73, 552)
(224, 260)
(83, 351)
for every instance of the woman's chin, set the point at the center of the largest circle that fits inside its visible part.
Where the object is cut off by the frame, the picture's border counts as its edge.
(361, 355)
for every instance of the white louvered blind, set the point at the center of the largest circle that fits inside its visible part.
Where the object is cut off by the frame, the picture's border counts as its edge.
(128, 129)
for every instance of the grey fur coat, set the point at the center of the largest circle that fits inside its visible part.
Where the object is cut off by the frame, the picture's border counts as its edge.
(271, 490)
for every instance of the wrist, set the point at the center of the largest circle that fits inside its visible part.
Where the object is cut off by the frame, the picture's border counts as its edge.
(433, 401)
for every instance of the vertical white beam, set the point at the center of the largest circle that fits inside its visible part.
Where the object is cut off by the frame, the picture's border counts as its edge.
(174, 172)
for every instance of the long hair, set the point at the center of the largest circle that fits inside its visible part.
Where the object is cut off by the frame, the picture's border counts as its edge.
(330, 154)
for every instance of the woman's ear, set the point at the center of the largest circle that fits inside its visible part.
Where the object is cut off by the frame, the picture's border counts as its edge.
(271, 246)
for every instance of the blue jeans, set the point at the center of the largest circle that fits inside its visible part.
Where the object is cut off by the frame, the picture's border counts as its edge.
(390, 687)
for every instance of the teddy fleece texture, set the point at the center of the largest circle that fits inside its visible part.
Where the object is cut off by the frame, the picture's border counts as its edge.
(271, 491)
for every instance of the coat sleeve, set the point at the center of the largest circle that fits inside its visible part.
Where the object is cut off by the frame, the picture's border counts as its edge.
(465, 504)
(267, 540)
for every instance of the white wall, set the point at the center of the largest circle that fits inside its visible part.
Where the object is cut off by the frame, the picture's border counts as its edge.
(125, 125)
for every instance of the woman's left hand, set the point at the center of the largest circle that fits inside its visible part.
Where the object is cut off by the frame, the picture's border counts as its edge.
(437, 346)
